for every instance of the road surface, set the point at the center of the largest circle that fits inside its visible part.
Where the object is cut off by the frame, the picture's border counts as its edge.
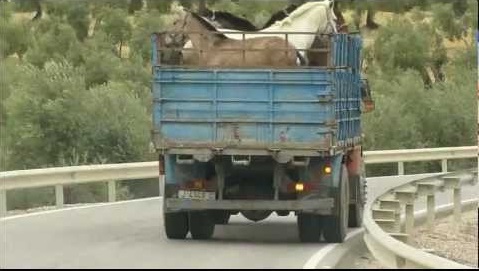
(130, 235)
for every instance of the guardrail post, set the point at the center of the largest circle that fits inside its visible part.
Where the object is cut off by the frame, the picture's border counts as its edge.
(444, 165)
(400, 168)
(112, 191)
(59, 199)
(161, 183)
(454, 183)
(457, 205)
(3, 203)
(398, 218)
(431, 202)
(409, 227)
(407, 196)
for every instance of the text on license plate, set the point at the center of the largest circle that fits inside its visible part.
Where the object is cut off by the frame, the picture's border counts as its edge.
(203, 195)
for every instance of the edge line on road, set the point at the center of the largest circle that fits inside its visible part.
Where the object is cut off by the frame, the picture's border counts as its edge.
(90, 205)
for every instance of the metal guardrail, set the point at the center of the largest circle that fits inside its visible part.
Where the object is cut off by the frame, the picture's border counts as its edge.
(414, 155)
(387, 238)
(111, 173)
(58, 177)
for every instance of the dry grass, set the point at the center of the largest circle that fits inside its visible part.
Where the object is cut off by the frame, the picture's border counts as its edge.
(456, 243)
(448, 240)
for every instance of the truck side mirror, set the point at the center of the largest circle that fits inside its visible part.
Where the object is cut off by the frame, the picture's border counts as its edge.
(367, 101)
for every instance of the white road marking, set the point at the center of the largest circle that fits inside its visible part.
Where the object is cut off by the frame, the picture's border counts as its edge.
(92, 205)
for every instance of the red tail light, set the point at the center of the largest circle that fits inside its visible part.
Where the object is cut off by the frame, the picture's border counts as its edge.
(301, 187)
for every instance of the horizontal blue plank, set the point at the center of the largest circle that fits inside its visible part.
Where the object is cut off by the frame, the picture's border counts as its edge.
(261, 106)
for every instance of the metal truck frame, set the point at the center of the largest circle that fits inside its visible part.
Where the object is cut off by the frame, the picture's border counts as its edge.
(257, 141)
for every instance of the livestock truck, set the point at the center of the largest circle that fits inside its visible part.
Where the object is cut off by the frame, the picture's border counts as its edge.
(261, 141)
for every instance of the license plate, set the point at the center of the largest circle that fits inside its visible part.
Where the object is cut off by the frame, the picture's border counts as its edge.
(201, 195)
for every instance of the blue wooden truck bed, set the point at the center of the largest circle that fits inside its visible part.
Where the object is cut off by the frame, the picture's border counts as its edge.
(302, 111)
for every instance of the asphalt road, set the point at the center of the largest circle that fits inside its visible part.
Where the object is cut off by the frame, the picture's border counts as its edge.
(130, 235)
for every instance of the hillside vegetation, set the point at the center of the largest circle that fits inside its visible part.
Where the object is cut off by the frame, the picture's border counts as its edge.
(75, 79)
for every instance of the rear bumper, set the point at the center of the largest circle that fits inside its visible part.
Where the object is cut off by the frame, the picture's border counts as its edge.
(208, 152)
(323, 148)
(320, 206)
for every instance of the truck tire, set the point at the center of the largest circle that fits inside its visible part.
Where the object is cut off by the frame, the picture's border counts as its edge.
(309, 227)
(221, 217)
(176, 225)
(335, 226)
(356, 209)
(202, 224)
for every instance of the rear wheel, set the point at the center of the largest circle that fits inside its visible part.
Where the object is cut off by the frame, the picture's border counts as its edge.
(356, 209)
(309, 227)
(335, 226)
(176, 225)
(221, 217)
(202, 225)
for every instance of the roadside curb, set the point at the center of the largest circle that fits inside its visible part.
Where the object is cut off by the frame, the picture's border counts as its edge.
(341, 255)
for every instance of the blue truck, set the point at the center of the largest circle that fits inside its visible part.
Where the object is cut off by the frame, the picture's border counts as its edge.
(261, 141)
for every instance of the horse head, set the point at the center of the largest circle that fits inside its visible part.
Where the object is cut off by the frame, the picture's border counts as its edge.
(286, 21)
(314, 16)
(177, 37)
(331, 17)
(333, 23)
